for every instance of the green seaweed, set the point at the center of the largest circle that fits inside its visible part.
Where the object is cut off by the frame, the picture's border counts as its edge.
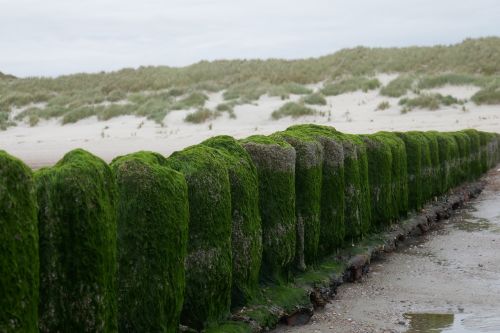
(208, 265)
(274, 159)
(77, 228)
(463, 161)
(246, 237)
(152, 211)
(19, 265)
(399, 175)
(475, 169)
(308, 177)
(380, 177)
(413, 146)
(435, 171)
(332, 227)
(447, 153)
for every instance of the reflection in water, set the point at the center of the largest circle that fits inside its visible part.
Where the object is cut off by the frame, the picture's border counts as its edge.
(452, 323)
(429, 322)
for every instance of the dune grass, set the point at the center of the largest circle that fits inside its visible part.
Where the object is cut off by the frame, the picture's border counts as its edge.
(201, 115)
(487, 96)
(398, 87)
(294, 110)
(453, 79)
(349, 85)
(245, 81)
(384, 105)
(314, 99)
(429, 101)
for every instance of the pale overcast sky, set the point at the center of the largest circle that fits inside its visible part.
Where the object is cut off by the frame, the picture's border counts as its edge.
(54, 37)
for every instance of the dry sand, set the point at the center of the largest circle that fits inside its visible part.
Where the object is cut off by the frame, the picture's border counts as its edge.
(354, 112)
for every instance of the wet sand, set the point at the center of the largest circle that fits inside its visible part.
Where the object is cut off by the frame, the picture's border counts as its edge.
(453, 271)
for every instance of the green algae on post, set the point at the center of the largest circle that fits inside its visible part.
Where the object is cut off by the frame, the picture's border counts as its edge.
(18, 247)
(77, 226)
(308, 177)
(208, 265)
(153, 218)
(246, 236)
(357, 199)
(435, 170)
(399, 174)
(380, 178)
(448, 151)
(413, 146)
(332, 227)
(474, 154)
(275, 162)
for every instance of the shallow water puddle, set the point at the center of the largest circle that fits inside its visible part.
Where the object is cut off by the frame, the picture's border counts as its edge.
(451, 323)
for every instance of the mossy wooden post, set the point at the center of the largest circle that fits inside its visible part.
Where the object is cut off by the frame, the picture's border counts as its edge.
(463, 164)
(275, 162)
(380, 178)
(427, 167)
(435, 170)
(77, 226)
(153, 216)
(332, 227)
(246, 236)
(308, 177)
(447, 154)
(474, 154)
(399, 174)
(208, 265)
(18, 247)
(485, 142)
(357, 207)
(413, 145)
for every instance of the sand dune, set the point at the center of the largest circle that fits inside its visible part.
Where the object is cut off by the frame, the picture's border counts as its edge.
(354, 112)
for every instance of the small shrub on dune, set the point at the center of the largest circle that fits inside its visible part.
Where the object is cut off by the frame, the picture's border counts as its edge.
(247, 91)
(384, 105)
(429, 101)
(349, 85)
(195, 99)
(398, 87)
(487, 96)
(454, 79)
(19, 265)
(78, 114)
(114, 110)
(116, 95)
(314, 99)
(292, 109)
(226, 107)
(296, 89)
(176, 92)
(201, 115)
